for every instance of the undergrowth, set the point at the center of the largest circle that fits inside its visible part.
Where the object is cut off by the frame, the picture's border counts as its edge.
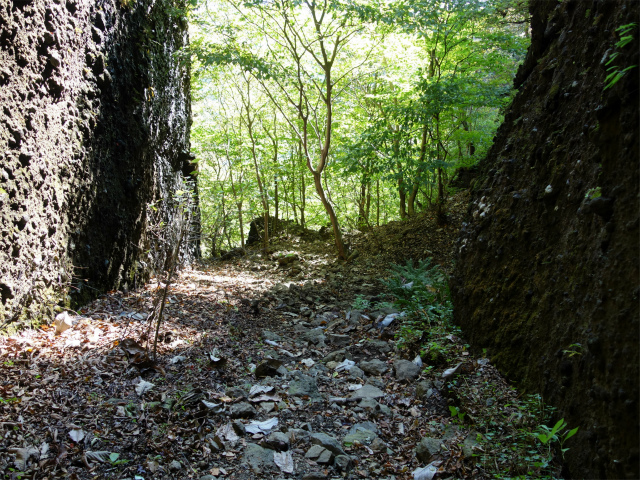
(512, 436)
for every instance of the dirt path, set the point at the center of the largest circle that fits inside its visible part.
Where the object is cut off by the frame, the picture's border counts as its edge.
(264, 370)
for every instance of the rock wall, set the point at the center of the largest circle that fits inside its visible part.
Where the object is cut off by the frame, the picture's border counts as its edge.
(546, 275)
(94, 126)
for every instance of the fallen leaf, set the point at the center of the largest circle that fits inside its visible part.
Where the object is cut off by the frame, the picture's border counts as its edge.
(23, 455)
(450, 371)
(428, 472)
(76, 434)
(143, 387)
(284, 461)
(262, 427)
(345, 365)
(101, 456)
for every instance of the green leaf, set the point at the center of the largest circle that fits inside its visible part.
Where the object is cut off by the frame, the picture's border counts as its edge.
(571, 433)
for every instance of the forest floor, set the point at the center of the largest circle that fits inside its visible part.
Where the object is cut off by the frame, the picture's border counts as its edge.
(266, 368)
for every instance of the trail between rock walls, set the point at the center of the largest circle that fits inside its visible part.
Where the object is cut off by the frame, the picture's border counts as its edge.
(257, 376)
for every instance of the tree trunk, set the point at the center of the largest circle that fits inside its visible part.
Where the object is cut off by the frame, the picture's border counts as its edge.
(403, 198)
(239, 206)
(412, 200)
(317, 179)
(377, 202)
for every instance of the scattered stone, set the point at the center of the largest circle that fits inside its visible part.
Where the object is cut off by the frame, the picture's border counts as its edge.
(303, 386)
(320, 455)
(314, 337)
(470, 442)
(268, 368)
(277, 441)
(343, 463)
(328, 442)
(258, 458)
(379, 345)
(378, 445)
(365, 437)
(339, 340)
(376, 382)
(274, 337)
(345, 365)
(315, 476)
(370, 426)
(368, 392)
(356, 372)
(337, 356)
(427, 448)
(406, 370)
(235, 392)
(424, 389)
(242, 410)
(374, 367)
(175, 465)
(208, 477)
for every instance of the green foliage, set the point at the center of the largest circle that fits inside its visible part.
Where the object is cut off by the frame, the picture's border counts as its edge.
(457, 413)
(573, 350)
(361, 303)
(615, 72)
(516, 443)
(593, 193)
(417, 89)
(114, 458)
(421, 290)
(558, 433)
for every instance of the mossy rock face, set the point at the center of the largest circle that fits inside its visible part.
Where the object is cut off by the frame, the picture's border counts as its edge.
(88, 151)
(545, 268)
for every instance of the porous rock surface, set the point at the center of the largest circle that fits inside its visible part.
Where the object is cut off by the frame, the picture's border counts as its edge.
(546, 275)
(94, 125)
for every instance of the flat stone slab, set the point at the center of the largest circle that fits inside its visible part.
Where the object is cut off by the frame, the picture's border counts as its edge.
(406, 370)
(374, 367)
(427, 448)
(258, 458)
(328, 442)
(320, 455)
(368, 392)
(304, 386)
(365, 437)
(339, 340)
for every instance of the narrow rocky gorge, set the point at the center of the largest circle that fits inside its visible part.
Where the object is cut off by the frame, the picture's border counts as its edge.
(265, 370)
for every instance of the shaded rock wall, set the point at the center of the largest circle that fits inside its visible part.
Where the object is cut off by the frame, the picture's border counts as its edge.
(548, 256)
(94, 126)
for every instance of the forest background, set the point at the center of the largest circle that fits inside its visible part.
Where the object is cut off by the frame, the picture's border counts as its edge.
(345, 113)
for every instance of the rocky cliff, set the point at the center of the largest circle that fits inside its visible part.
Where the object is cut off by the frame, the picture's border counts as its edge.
(546, 276)
(94, 127)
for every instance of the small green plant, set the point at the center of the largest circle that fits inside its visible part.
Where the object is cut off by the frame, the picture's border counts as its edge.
(361, 303)
(456, 413)
(593, 193)
(558, 433)
(18, 475)
(573, 350)
(615, 74)
(114, 458)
